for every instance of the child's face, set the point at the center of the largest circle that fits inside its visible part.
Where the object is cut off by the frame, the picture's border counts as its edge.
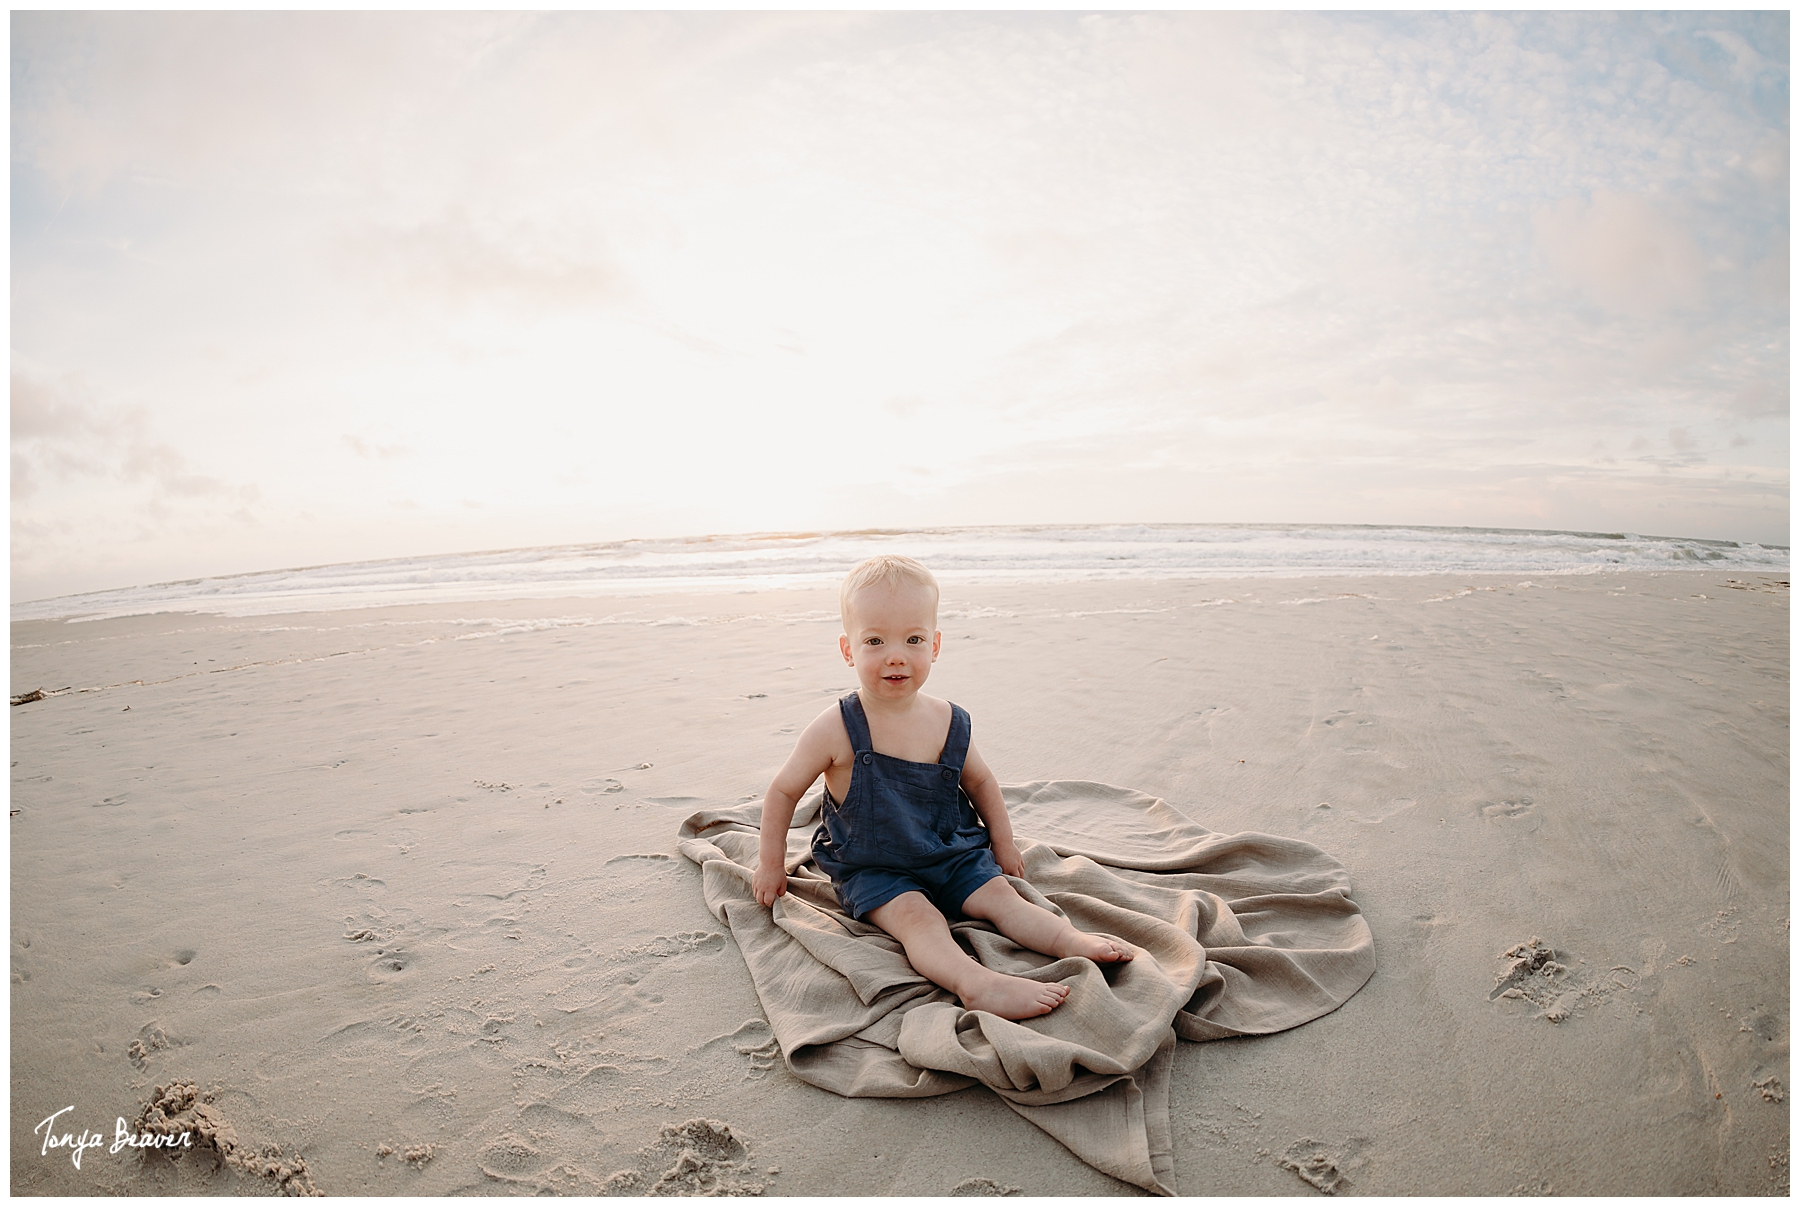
(893, 638)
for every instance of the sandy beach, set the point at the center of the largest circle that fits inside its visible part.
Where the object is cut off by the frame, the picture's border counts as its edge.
(398, 890)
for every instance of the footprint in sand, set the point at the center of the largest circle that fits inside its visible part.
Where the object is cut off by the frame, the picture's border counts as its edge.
(644, 857)
(372, 1040)
(533, 1154)
(646, 876)
(1517, 806)
(359, 883)
(685, 804)
(631, 980)
(619, 1077)
(1542, 976)
(983, 1188)
(699, 1157)
(555, 1129)
(151, 1039)
(1324, 1166)
(1534, 974)
(1375, 815)
(755, 1039)
(501, 881)
(431, 1112)
(679, 944)
(508, 1158)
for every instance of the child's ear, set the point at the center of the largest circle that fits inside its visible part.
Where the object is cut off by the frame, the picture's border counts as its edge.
(937, 640)
(844, 649)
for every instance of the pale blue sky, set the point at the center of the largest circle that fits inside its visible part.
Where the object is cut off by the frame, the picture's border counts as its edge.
(291, 289)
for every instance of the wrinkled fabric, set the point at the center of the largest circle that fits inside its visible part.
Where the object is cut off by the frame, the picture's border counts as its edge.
(1234, 934)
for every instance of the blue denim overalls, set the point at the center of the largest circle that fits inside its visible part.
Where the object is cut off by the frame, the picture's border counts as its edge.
(903, 826)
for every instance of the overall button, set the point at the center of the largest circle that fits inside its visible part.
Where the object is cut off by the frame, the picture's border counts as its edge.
(946, 773)
(867, 759)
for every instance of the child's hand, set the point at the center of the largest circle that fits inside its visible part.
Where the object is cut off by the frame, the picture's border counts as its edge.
(769, 882)
(1006, 854)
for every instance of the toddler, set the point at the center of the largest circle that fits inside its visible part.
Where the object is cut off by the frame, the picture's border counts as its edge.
(914, 827)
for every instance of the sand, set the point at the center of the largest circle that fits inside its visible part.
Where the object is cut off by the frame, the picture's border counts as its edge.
(396, 891)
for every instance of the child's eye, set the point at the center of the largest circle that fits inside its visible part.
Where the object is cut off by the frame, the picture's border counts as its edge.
(915, 640)
(873, 641)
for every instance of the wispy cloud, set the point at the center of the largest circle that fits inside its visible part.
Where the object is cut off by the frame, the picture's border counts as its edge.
(365, 448)
(456, 260)
(60, 433)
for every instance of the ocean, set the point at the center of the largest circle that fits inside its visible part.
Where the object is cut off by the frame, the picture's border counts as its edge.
(955, 555)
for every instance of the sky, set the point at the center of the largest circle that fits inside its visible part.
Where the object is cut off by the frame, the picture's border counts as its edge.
(302, 288)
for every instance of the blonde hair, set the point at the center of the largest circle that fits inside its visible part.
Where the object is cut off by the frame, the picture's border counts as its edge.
(891, 569)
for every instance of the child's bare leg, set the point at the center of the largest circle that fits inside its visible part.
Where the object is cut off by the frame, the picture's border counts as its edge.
(922, 930)
(1035, 927)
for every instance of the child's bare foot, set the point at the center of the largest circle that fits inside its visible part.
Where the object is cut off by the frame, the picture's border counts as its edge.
(1098, 948)
(1012, 996)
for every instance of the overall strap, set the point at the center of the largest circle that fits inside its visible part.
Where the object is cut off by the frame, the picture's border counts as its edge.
(855, 724)
(956, 744)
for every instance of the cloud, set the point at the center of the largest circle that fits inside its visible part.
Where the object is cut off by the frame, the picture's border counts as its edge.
(1761, 399)
(456, 259)
(364, 448)
(61, 436)
(1747, 63)
(1622, 252)
(58, 431)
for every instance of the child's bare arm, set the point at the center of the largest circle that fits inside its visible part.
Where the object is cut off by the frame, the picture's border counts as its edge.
(813, 753)
(984, 791)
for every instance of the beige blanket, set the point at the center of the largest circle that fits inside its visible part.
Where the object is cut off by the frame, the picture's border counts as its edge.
(1236, 934)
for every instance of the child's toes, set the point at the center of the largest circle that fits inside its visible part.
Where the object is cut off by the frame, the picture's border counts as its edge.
(1099, 949)
(1014, 997)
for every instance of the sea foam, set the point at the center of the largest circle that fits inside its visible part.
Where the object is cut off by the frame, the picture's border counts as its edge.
(956, 555)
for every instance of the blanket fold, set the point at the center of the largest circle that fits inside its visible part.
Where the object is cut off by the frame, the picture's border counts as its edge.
(1235, 934)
